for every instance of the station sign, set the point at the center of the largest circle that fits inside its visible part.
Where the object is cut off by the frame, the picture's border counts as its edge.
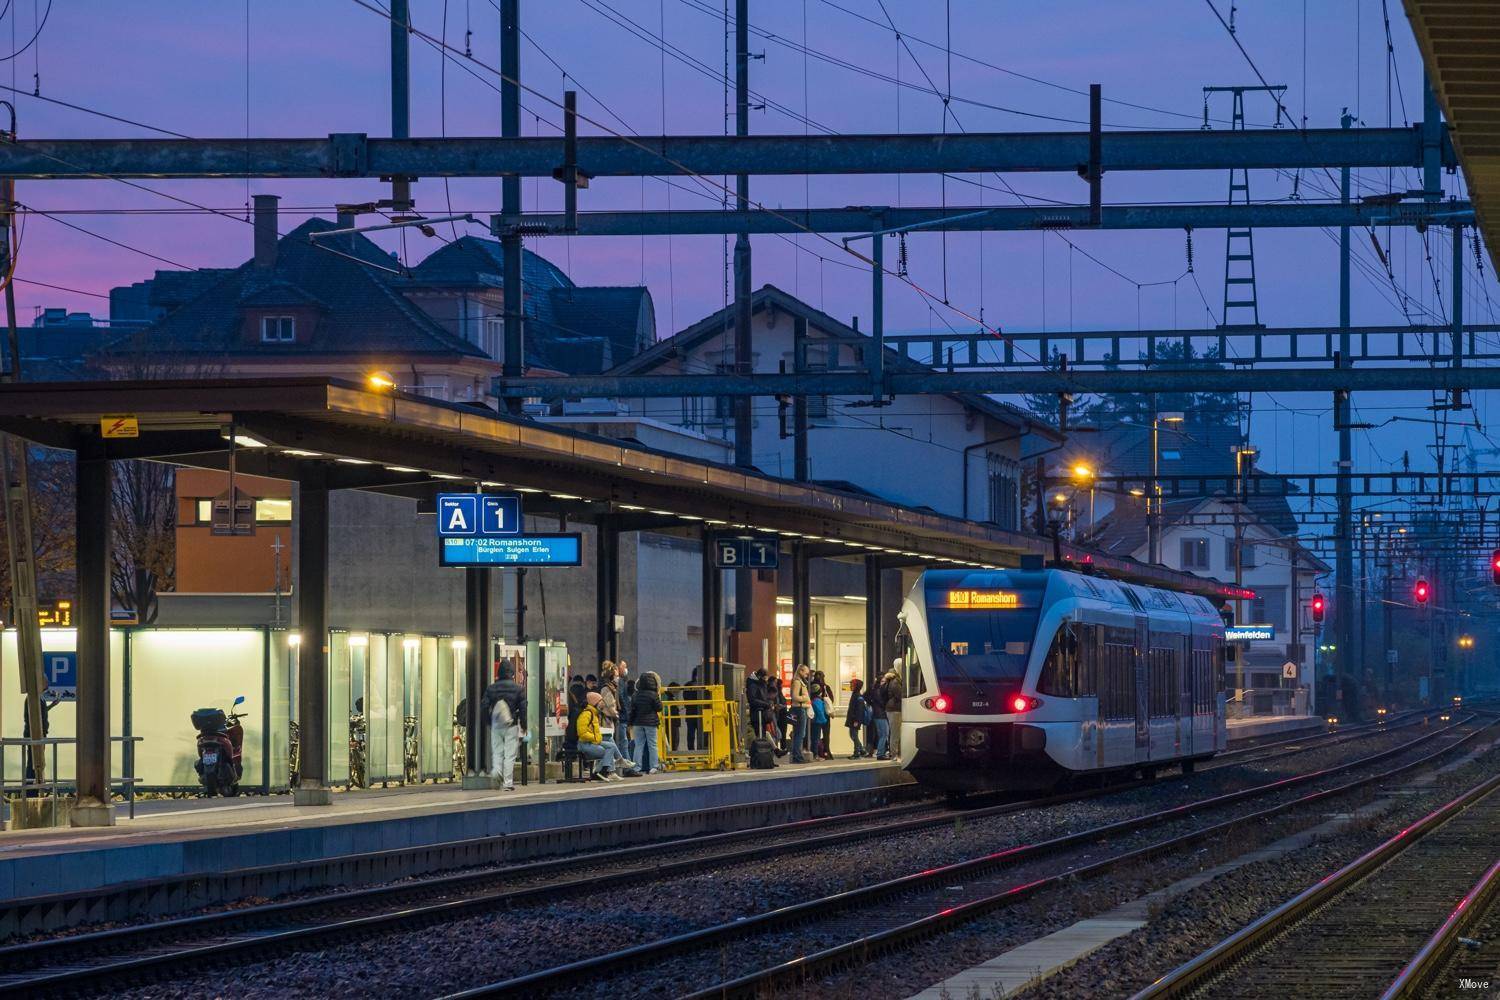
(1250, 633)
(478, 515)
(747, 553)
(60, 671)
(536, 549)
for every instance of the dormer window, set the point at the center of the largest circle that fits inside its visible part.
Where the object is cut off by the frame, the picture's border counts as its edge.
(278, 330)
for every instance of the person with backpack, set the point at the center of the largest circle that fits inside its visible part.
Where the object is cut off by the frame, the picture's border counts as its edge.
(591, 742)
(504, 704)
(820, 721)
(855, 716)
(894, 692)
(611, 706)
(758, 698)
(645, 718)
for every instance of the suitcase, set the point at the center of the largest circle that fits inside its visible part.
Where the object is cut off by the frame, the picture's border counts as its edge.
(762, 754)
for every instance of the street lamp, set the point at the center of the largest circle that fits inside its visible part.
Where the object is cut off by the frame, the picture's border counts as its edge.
(1083, 474)
(1153, 502)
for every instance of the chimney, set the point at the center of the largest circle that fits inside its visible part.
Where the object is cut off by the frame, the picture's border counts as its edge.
(347, 220)
(265, 230)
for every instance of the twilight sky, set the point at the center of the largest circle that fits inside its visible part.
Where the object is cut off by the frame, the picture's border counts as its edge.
(315, 68)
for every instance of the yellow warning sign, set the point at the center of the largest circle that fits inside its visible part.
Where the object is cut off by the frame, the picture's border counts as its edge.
(119, 425)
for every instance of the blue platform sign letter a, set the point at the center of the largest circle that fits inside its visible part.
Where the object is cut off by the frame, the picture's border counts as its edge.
(458, 514)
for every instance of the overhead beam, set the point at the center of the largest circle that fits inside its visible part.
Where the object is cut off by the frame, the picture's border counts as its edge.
(902, 383)
(355, 154)
(958, 219)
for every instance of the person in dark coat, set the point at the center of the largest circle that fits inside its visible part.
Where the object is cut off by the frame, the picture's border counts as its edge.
(504, 705)
(759, 700)
(645, 715)
(854, 717)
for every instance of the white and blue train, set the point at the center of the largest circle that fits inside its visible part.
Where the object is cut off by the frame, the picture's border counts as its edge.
(1019, 679)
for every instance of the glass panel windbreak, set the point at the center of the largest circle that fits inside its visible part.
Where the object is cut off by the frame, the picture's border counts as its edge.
(434, 740)
(377, 712)
(340, 700)
(283, 658)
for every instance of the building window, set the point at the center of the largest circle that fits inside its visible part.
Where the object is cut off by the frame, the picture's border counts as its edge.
(494, 337)
(204, 509)
(724, 405)
(273, 510)
(278, 330)
(1195, 553)
(1005, 494)
(1247, 555)
(1268, 607)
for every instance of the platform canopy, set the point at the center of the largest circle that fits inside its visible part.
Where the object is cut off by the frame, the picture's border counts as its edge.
(1460, 44)
(346, 436)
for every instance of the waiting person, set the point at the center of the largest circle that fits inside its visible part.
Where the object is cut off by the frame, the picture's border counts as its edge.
(801, 706)
(674, 734)
(504, 705)
(577, 699)
(625, 688)
(591, 683)
(591, 742)
(881, 748)
(819, 721)
(854, 717)
(645, 718)
(612, 707)
(758, 697)
(894, 692)
(694, 692)
(779, 708)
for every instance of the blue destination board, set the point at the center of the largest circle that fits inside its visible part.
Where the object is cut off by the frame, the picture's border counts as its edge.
(557, 549)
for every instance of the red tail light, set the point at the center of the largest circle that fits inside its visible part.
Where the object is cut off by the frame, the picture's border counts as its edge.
(938, 703)
(1022, 703)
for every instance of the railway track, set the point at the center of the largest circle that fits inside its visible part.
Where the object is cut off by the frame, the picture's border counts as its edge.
(1356, 928)
(1462, 951)
(926, 903)
(109, 958)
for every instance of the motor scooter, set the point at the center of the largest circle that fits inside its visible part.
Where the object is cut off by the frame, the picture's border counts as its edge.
(220, 740)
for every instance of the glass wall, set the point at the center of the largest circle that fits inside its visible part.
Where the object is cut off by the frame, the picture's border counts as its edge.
(340, 703)
(62, 718)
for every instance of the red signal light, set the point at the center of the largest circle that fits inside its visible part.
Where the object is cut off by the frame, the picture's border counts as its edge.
(941, 703)
(1495, 566)
(1319, 606)
(1421, 591)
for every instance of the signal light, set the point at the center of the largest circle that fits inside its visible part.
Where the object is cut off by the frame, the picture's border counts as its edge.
(1319, 605)
(939, 703)
(1421, 591)
(1495, 566)
(1021, 703)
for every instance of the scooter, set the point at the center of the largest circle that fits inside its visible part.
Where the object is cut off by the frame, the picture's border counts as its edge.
(220, 740)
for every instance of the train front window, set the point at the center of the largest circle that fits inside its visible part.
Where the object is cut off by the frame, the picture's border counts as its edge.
(972, 645)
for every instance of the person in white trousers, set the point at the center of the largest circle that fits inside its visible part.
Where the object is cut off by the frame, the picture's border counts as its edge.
(505, 703)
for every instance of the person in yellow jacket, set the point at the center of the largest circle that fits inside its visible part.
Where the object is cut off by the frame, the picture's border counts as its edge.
(801, 705)
(591, 743)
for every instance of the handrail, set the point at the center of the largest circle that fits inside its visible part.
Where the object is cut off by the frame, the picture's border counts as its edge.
(54, 785)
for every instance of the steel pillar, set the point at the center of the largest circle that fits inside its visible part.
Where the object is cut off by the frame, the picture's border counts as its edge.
(743, 425)
(477, 674)
(606, 589)
(1343, 605)
(874, 601)
(312, 653)
(799, 402)
(400, 95)
(91, 807)
(801, 606)
(514, 362)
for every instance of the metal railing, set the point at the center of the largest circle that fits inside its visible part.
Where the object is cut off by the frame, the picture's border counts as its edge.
(53, 787)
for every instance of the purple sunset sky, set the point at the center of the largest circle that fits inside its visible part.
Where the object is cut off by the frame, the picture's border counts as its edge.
(323, 67)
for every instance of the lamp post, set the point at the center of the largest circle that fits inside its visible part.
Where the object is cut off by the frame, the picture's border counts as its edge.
(1153, 500)
(1083, 474)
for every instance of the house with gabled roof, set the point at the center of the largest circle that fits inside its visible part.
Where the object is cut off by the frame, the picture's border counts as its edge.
(959, 454)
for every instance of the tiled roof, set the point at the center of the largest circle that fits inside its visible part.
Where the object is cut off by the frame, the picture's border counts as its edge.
(362, 312)
(570, 328)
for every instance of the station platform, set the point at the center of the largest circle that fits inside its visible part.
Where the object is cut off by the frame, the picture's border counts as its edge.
(170, 838)
(1256, 726)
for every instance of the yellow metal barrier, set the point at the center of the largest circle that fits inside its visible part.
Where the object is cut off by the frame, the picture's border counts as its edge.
(717, 723)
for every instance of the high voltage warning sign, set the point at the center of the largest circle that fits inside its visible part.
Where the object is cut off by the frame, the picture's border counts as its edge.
(119, 425)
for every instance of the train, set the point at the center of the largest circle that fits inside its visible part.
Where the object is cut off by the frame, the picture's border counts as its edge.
(1024, 680)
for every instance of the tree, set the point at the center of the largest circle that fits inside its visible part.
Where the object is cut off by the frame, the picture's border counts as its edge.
(1220, 408)
(1045, 404)
(53, 481)
(143, 510)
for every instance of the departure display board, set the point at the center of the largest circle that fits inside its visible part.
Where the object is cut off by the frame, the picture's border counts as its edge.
(984, 600)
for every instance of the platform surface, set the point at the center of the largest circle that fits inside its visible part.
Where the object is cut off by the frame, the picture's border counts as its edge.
(1254, 726)
(176, 836)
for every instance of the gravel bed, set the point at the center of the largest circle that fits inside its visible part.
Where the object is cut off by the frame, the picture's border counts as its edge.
(429, 960)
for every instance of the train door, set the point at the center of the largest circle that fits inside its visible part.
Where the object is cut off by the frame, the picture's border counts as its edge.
(1142, 684)
(1185, 696)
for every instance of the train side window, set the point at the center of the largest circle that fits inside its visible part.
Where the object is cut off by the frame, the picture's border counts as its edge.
(1060, 669)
